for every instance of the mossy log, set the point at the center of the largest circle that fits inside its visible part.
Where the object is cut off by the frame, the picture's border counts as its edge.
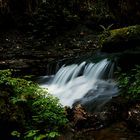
(127, 38)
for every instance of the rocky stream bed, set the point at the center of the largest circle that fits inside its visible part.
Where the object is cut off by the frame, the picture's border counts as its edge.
(118, 120)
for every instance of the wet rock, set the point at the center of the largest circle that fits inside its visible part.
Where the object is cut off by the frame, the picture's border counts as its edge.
(82, 119)
(133, 118)
(106, 124)
(79, 113)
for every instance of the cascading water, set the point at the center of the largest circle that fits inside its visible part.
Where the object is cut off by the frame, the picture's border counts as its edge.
(87, 83)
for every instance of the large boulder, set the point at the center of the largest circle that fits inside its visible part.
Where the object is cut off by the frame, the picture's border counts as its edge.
(118, 40)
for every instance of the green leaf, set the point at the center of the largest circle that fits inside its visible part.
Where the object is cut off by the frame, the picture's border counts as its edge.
(15, 133)
(31, 133)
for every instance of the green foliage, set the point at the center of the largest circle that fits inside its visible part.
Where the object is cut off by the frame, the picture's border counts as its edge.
(130, 83)
(106, 29)
(34, 112)
(15, 133)
(105, 33)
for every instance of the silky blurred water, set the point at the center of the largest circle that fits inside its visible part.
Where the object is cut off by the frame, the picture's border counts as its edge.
(84, 82)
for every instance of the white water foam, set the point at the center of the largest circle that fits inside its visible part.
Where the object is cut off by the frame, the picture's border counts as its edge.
(83, 82)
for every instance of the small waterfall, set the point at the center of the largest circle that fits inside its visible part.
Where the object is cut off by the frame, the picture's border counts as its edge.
(85, 83)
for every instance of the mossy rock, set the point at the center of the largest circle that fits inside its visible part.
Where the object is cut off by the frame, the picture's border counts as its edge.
(127, 38)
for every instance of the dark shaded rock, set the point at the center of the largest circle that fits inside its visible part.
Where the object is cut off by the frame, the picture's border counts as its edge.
(114, 110)
(116, 131)
(116, 121)
(133, 118)
(80, 117)
(127, 60)
(31, 55)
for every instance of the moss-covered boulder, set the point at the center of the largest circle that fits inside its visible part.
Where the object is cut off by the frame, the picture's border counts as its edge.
(127, 38)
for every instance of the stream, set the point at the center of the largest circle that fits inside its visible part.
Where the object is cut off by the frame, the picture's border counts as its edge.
(92, 85)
